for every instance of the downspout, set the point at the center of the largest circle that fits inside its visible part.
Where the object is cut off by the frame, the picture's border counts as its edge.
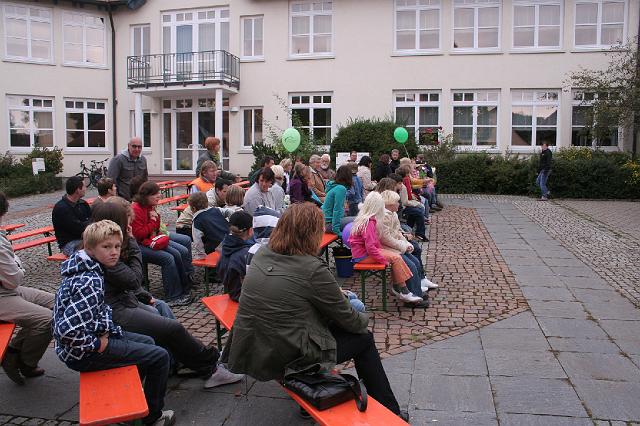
(636, 115)
(113, 83)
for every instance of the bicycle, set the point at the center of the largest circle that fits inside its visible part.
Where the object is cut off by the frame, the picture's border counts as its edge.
(94, 173)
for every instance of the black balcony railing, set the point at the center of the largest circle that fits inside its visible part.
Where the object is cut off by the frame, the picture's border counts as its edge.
(165, 69)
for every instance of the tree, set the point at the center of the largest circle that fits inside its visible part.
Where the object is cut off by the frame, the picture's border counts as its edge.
(614, 93)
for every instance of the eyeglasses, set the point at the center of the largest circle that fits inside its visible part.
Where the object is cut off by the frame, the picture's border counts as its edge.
(136, 146)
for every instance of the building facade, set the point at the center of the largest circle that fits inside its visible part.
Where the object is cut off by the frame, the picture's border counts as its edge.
(494, 72)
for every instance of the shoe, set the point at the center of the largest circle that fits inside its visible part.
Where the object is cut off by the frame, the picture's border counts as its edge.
(405, 295)
(11, 366)
(222, 376)
(421, 304)
(439, 204)
(404, 416)
(304, 414)
(432, 210)
(183, 300)
(543, 198)
(421, 238)
(425, 284)
(29, 372)
(436, 207)
(167, 418)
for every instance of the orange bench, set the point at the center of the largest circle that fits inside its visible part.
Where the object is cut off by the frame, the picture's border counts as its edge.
(372, 269)
(243, 184)
(177, 199)
(6, 331)
(11, 228)
(111, 396)
(179, 209)
(166, 182)
(209, 263)
(167, 189)
(35, 243)
(327, 238)
(58, 257)
(47, 230)
(345, 414)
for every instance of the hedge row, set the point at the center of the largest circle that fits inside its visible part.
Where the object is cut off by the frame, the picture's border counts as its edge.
(38, 184)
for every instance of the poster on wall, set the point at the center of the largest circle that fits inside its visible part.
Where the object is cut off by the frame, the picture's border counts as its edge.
(343, 157)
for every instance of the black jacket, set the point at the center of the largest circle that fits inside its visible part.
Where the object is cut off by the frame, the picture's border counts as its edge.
(382, 170)
(123, 281)
(545, 160)
(232, 266)
(394, 164)
(69, 220)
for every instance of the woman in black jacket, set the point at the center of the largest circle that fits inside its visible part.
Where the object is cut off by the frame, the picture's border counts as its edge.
(382, 169)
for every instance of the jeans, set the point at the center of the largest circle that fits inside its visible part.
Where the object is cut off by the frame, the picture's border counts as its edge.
(362, 349)
(413, 283)
(175, 261)
(354, 301)
(185, 231)
(163, 309)
(417, 253)
(541, 181)
(133, 349)
(415, 217)
(71, 247)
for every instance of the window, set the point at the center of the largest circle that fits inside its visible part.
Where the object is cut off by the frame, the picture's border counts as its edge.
(312, 113)
(581, 107)
(599, 23)
(417, 25)
(536, 24)
(85, 123)
(27, 33)
(311, 28)
(475, 117)
(251, 126)
(252, 41)
(84, 39)
(476, 24)
(140, 40)
(418, 111)
(30, 122)
(534, 117)
(146, 127)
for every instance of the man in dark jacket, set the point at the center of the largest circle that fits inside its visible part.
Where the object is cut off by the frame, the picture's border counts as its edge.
(382, 169)
(395, 160)
(71, 215)
(127, 165)
(544, 170)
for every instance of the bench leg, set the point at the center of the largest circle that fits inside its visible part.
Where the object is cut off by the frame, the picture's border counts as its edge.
(206, 281)
(219, 334)
(384, 290)
(362, 286)
(326, 254)
(49, 248)
(145, 273)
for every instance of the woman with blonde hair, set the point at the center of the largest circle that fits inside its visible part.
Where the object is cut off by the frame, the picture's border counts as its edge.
(366, 247)
(287, 165)
(278, 186)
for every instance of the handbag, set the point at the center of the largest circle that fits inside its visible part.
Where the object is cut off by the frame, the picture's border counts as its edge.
(325, 390)
(159, 242)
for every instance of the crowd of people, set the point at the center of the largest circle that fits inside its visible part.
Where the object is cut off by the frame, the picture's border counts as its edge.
(293, 314)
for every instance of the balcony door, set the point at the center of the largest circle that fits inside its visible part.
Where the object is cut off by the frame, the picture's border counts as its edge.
(190, 39)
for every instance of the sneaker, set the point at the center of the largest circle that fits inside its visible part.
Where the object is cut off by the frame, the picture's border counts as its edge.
(29, 372)
(436, 207)
(405, 295)
(543, 198)
(304, 414)
(222, 376)
(421, 304)
(11, 365)
(183, 300)
(167, 418)
(425, 284)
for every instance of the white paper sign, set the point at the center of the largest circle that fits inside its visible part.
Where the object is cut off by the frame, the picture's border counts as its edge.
(343, 157)
(37, 165)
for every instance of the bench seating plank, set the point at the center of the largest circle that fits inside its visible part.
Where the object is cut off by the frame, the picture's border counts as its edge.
(58, 257)
(243, 183)
(180, 208)
(11, 227)
(32, 233)
(34, 243)
(111, 396)
(166, 182)
(208, 263)
(177, 199)
(6, 331)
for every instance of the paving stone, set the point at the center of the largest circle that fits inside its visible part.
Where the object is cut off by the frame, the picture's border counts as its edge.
(559, 261)
(523, 363)
(577, 344)
(453, 394)
(557, 309)
(513, 339)
(523, 320)
(589, 283)
(574, 271)
(450, 362)
(596, 296)
(536, 396)
(546, 293)
(533, 420)
(610, 400)
(599, 366)
(402, 363)
(535, 270)
(540, 281)
(623, 330)
(565, 327)
(621, 309)
(446, 418)
(466, 342)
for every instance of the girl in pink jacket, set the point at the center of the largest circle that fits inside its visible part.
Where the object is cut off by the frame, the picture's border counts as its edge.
(366, 247)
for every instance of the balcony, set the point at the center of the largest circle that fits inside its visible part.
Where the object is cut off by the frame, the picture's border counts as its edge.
(213, 68)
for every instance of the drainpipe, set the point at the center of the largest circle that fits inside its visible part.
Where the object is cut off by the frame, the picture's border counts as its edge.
(636, 115)
(113, 83)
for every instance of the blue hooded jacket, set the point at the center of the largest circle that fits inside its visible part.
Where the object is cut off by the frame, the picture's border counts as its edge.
(232, 266)
(333, 207)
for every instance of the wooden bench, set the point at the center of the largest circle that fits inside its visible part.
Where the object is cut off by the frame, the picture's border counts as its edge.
(371, 269)
(58, 257)
(111, 396)
(178, 199)
(179, 209)
(346, 414)
(243, 184)
(46, 231)
(35, 243)
(167, 189)
(166, 182)
(12, 227)
(209, 263)
(6, 331)
(327, 238)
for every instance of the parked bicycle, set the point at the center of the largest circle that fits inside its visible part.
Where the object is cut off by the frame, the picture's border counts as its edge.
(94, 173)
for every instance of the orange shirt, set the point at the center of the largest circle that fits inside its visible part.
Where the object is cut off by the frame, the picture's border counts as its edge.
(201, 184)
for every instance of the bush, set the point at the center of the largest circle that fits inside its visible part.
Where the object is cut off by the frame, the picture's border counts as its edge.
(374, 136)
(38, 184)
(16, 177)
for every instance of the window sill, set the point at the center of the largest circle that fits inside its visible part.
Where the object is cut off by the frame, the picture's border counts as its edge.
(587, 49)
(311, 57)
(492, 51)
(491, 149)
(532, 50)
(245, 151)
(248, 60)
(76, 65)
(86, 151)
(401, 53)
(27, 61)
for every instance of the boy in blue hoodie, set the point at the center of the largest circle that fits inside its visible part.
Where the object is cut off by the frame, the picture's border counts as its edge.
(232, 266)
(86, 339)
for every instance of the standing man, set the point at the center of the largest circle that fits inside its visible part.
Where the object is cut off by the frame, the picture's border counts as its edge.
(213, 154)
(127, 165)
(71, 215)
(544, 170)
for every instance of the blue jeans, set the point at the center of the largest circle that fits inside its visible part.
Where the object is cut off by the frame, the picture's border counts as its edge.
(175, 261)
(134, 349)
(417, 253)
(415, 217)
(413, 283)
(541, 181)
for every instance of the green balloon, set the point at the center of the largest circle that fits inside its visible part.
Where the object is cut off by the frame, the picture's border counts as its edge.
(400, 135)
(291, 139)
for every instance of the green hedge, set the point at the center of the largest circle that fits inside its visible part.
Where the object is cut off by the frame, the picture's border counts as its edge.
(38, 184)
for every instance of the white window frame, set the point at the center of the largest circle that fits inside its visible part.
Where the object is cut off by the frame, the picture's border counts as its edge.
(143, 47)
(311, 105)
(576, 93)
(30, 110)
(254, 110)
(476, 5)
(84, 62)
(28, 19)
(253, 56)
(599, 44)
(485, 95)
(417, 9)
(534, 102)
(86, 111)
(416, 103)
(146, 144)
(311, 13)
(536, 26)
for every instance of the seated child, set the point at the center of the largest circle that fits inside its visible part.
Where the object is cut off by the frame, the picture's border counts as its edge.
(232, 266)
(209, 226)
(86, 339)
(366, 247)
(234, 200)
(185, 220)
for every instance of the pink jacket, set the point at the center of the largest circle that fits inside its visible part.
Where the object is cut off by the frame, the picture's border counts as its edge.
(367, 243)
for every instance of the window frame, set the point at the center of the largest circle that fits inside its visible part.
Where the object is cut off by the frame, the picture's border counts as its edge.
(29, 58)
(536, 25)
(254, 110)
(475, 103)
(599, 45)
(311, 106)
(84, 27)
(311, 13)
(534, 103)
(85, 110)
(476, 5)
(142, 27)
(417, 9)
(146, 144)
(416, 104)
(594, 142)
(253, 57)
(30, 110)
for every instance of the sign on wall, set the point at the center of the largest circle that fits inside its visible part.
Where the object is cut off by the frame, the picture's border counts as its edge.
(37, 165)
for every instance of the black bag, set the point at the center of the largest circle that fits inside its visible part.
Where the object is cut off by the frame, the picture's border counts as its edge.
(325, 390)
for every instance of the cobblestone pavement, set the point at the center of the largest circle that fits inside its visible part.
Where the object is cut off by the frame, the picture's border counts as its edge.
(618, 216)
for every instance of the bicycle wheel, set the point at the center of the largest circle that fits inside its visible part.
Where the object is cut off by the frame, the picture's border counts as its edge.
(94, 178)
